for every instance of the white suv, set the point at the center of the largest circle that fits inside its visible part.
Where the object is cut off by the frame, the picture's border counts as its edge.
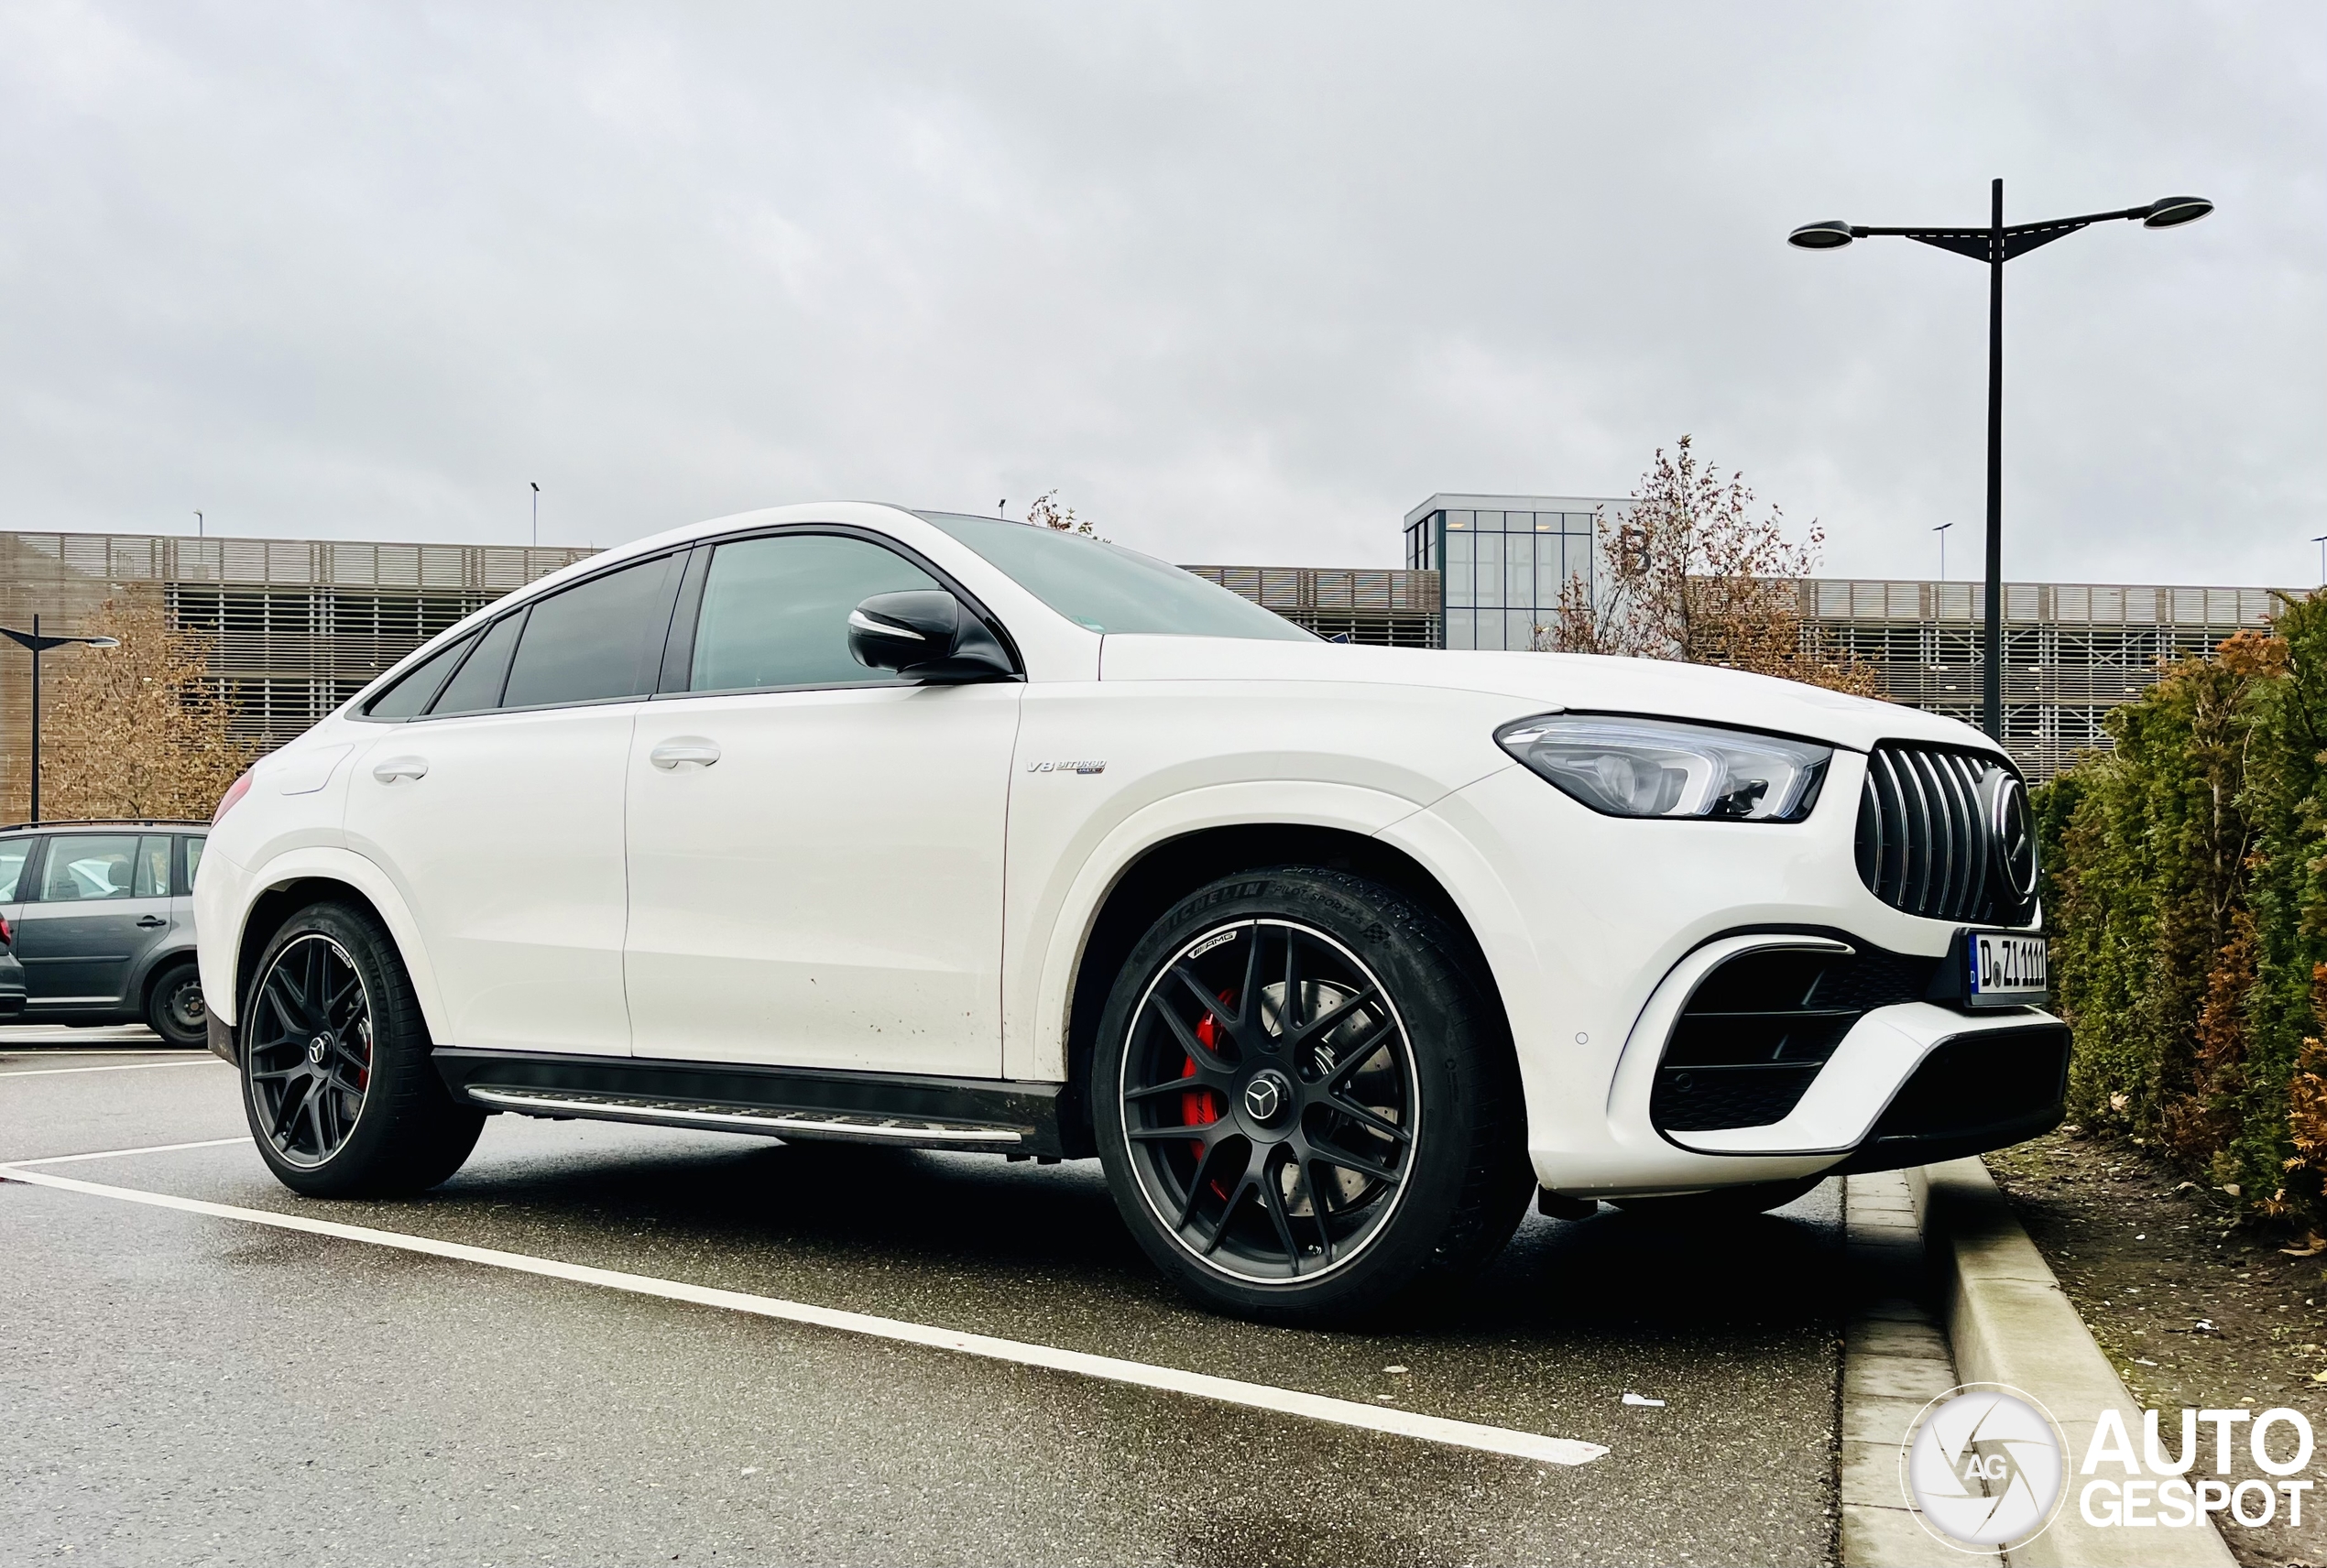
(847, 822)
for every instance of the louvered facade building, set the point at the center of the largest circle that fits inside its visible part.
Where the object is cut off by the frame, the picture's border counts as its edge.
(298, 625)
(2071, 650)
(1395, 609)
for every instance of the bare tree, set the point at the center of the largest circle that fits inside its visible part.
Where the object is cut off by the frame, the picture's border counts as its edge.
(141, 730)
(1691, 573)
(1046, 513)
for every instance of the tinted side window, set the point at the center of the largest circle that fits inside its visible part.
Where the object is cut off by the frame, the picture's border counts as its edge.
(775, 611)
(598, 639)
(478, 684)
(84, 867)
(12, 854)
(417, 685)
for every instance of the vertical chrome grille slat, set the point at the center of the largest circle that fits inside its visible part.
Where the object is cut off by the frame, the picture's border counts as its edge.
(1981, 886)
(1926, 845)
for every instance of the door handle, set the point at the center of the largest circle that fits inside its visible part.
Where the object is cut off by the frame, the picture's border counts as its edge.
(686, 751)
(151, 921)
(396, 768)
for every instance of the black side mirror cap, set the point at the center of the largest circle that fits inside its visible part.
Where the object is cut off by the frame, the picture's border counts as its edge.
(928, 634)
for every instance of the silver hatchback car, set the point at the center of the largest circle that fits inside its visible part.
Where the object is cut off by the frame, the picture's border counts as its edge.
(104, 921)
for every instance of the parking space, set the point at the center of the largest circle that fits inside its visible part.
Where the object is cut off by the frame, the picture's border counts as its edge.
(196, 1385)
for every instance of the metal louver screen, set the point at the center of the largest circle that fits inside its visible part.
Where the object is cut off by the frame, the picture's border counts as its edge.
(1926, 841)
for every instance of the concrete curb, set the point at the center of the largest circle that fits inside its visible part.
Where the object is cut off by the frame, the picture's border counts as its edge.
(1894, 1361)
(2009, 1322)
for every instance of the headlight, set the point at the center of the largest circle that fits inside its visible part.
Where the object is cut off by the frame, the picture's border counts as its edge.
(1651, 767)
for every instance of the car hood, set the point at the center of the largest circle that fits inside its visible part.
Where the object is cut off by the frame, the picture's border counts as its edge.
(1535, 681)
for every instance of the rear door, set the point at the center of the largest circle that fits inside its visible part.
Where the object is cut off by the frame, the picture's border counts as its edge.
(102, 899)
(498, 812)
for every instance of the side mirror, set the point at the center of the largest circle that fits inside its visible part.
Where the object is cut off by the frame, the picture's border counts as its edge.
(928, 634)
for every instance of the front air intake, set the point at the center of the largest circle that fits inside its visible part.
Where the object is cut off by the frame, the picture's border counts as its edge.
(1946, 834)
(1759, 1028)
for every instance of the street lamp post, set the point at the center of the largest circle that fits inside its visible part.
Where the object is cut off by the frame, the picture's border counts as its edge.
(1941, 531)
(34, 644)
(1996, 245)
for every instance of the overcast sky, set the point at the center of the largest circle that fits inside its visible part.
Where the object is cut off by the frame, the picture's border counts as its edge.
(1243, 281)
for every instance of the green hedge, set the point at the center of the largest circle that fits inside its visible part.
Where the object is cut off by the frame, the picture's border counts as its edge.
(2186, 889)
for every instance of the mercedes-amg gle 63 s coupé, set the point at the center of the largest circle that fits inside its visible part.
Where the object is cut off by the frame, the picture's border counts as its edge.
(908, 828)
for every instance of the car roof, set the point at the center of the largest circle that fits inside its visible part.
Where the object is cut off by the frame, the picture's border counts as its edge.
(48, 824)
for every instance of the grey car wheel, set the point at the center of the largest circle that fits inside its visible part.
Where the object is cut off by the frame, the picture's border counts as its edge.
(174, 1006)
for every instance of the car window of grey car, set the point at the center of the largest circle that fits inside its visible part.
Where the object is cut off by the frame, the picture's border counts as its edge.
(1107, 588)
(597, 640)
(84, 867)
(193, 861)
(12, 856)
(775, 611)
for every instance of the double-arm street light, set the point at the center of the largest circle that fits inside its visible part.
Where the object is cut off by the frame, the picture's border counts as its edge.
(34, 644)
(1996, 245)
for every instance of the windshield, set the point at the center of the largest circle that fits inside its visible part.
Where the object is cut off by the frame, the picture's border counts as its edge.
(1109, 589)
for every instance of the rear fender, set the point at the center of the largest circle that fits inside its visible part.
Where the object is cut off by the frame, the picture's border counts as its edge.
(322, 863)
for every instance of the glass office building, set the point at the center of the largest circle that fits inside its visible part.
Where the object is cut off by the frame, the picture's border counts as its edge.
(1503, 560)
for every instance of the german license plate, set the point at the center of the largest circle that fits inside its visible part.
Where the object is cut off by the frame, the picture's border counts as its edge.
(2007, 969)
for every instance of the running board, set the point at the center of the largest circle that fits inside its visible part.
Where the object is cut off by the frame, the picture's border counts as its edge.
(771, 1102)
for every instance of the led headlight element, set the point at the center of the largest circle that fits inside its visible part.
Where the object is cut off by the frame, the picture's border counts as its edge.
(1652, 767)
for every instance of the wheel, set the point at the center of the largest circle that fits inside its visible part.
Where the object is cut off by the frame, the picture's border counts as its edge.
(1307, 1106)
(342, 1097)
(174, 1005)
(1721, 1202)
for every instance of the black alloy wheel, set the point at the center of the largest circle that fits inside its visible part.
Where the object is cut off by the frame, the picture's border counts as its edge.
(174, 1008)
(1271, 1098)
(1305, 1100)
(339, 1089)
(310, 1045)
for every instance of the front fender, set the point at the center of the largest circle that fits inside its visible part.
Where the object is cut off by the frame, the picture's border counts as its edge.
(1037, 1009)
(223, 905)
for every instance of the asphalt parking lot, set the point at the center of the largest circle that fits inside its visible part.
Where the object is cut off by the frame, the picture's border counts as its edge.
(189, 1386)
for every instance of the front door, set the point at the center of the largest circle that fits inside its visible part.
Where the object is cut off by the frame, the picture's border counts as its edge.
(815, 847)
(498, 814)
(102, 900)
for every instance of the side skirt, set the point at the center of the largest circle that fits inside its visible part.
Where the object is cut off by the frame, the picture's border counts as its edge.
(995, 1115)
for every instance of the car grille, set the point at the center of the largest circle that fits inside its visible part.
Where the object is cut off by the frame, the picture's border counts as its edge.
(1927, 835)
(1758, 1029)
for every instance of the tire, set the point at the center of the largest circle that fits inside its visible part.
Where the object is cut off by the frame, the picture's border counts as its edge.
(174, 1008)
(1339, 1164)
(1721, 1202)
(342, 1099)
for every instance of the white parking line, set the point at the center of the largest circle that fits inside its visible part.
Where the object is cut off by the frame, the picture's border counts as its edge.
(125, 1153)
(117, 1067)
(1108, 1369)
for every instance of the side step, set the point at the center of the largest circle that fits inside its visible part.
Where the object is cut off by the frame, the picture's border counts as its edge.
(769, 1121)
(771, 1102)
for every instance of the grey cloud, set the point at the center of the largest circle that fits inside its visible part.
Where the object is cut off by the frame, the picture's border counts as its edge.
(1246, 282)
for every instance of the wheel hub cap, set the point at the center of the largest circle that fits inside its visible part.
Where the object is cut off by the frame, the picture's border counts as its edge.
(319, 1048)
(1268, 1095)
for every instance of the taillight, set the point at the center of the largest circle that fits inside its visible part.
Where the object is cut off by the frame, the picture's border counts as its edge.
(7, 937)
(235, 793)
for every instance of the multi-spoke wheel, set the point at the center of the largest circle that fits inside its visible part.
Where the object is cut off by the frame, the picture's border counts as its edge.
(309, 1044)
(1270, 1100)
(1304, 1104)
(338, 1086)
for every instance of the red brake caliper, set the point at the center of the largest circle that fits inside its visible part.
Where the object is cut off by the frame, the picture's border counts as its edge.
(1197, 1107)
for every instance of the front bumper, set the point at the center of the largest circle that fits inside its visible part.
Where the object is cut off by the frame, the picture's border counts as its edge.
(1597, 929)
